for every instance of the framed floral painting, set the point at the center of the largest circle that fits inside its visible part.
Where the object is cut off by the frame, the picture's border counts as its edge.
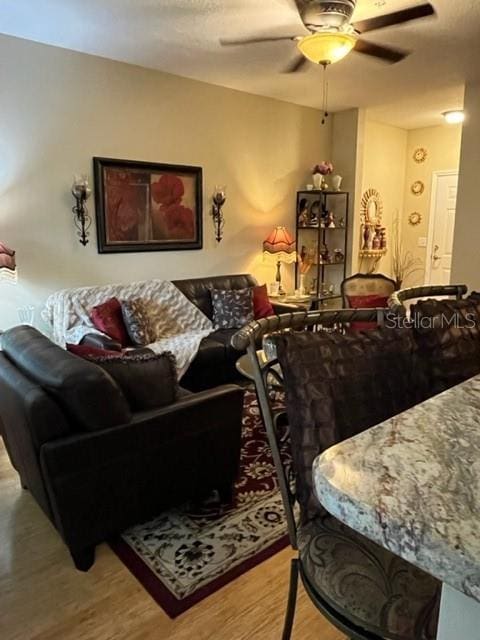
(144, 206)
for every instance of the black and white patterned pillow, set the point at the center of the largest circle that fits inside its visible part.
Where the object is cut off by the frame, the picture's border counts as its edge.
(232, 308)
(136, 318)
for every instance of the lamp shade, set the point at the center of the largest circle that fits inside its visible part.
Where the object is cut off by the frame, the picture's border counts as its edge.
(280, 245)
(327, 47)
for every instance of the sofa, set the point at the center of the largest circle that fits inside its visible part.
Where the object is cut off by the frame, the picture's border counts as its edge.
(215, 361)
(216, 358)
(93, 464)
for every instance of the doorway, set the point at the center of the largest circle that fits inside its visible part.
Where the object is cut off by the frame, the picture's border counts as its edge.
(441, 227)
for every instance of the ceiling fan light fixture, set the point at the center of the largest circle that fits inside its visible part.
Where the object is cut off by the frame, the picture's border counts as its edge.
(454, 117)
(327, 47)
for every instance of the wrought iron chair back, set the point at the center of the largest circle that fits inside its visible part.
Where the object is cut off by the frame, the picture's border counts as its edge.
(397, 300)
(247, 339)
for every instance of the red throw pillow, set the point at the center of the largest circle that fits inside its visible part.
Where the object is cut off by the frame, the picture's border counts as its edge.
(372, 301)
(108, 318)
(85, 351)
(262, 307)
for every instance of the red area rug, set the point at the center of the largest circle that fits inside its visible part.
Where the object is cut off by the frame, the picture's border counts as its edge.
(186, 554)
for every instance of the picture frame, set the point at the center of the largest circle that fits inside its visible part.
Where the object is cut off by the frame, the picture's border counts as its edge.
(147, 206)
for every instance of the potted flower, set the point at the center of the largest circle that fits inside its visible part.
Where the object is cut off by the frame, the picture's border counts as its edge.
(319, 171)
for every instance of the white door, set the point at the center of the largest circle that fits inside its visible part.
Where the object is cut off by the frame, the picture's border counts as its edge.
(442, 226)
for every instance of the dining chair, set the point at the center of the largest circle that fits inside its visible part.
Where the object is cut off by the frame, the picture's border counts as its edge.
(364, 590)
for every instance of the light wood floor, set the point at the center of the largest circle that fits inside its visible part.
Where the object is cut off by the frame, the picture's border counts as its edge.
(42, 597)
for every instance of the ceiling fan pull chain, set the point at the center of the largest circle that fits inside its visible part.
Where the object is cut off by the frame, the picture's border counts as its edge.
(325, 95)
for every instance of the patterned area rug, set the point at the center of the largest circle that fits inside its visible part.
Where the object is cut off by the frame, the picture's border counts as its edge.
(188, 553)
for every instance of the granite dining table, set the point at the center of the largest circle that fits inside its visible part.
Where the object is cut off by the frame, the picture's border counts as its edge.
(412, 485)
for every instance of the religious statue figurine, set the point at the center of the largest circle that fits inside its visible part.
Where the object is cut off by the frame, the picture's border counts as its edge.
(366, 236)
(383, 238)
(325, 254)
(303, 219)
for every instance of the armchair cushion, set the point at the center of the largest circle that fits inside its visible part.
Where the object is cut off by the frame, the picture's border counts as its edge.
(107, 318)
(147, 380)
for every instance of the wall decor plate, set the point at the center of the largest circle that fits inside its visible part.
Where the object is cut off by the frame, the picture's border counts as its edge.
(418, 188)
(414, 218)
(420, 155)
(147, 206)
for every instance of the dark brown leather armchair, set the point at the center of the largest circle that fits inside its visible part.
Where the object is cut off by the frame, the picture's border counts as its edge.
(93, 466)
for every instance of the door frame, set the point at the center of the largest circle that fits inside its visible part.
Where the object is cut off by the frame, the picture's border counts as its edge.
(431, 222)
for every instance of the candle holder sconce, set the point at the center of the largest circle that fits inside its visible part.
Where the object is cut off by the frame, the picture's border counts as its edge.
(81, 191)
(219, 199)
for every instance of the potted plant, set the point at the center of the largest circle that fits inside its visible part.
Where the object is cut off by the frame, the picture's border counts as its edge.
(404, 263)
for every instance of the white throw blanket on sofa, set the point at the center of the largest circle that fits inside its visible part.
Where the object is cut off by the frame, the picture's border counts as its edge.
(178, 324)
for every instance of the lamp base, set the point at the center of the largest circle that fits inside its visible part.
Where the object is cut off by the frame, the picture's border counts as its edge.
(278, 278)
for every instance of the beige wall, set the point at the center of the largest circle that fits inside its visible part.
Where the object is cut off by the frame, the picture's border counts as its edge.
(466, 246)
(59, 109)
(347, 152)
(384, 157)
(443, 148)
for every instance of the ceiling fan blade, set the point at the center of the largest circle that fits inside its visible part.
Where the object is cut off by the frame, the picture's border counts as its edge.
(387, 54)
(395, 18)
(296, 65)
(254, 40)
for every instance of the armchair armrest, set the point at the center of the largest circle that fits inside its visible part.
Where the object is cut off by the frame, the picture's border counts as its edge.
(189, 414)
(99, 341)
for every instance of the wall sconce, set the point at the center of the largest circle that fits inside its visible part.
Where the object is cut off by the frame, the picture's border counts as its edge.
(81, 192)
(219, 199)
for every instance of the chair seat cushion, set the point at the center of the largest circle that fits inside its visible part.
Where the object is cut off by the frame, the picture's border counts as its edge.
(367, 584)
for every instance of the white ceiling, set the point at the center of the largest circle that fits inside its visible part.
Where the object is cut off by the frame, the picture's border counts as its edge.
(181, 37)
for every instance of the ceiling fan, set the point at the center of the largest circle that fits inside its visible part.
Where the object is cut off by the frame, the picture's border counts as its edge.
(333, 35)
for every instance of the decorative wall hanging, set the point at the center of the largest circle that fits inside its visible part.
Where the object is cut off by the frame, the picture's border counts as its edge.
(146, 206)
(81, 192)
(372, 207)
(219, 199)
(414, 218)
(373, 237)
(418, 188)
(420, 155)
